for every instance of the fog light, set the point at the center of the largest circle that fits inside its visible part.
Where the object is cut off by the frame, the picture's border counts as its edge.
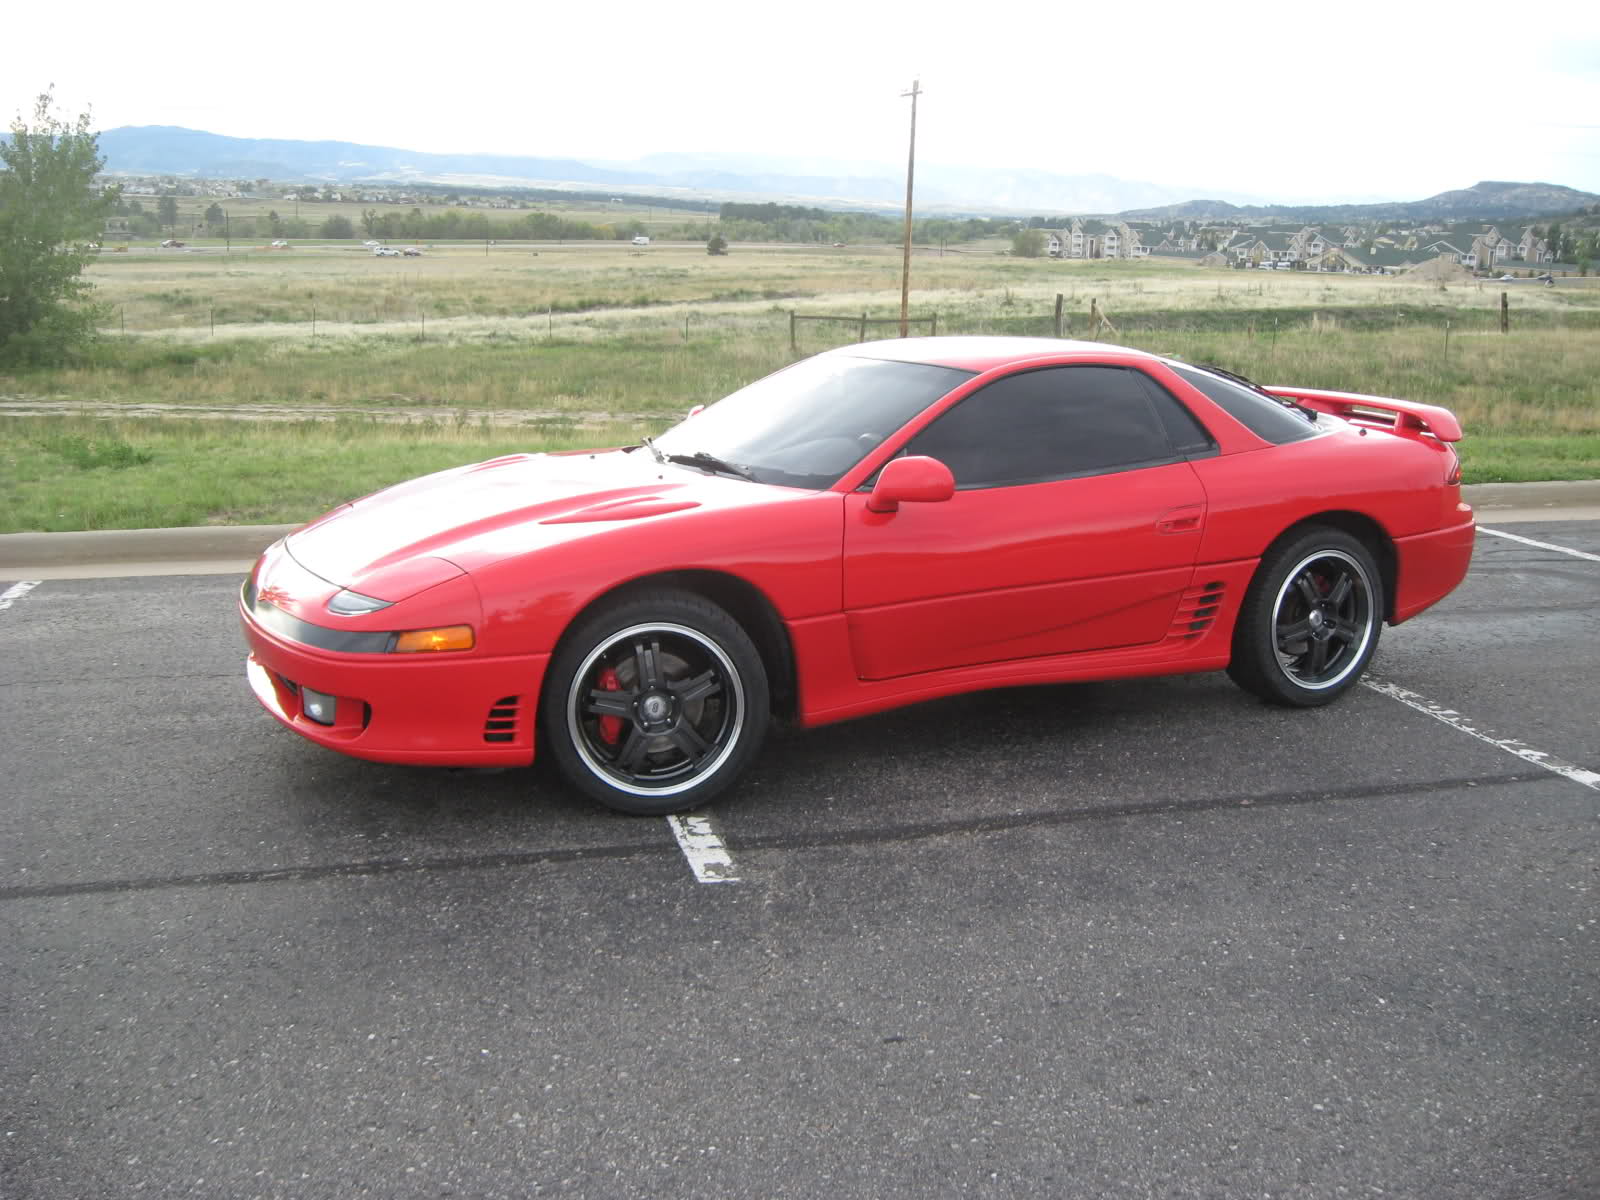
(318, 706)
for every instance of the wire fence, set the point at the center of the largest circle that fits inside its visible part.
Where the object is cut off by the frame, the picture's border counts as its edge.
(809, 332)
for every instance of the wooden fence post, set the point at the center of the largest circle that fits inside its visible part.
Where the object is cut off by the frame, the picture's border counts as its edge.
(1505, 312)
(934, 328)
(862, 336)
(1060, 300)
(1094, 318)
(794, 346)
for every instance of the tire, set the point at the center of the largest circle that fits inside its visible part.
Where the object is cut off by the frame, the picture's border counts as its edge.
(1310, 620)
(654, 704)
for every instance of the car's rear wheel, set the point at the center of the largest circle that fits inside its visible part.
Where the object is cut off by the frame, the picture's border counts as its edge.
(1310, 621)
(655, 704)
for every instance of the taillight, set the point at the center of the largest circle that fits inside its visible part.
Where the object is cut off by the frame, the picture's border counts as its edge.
(1452, 473)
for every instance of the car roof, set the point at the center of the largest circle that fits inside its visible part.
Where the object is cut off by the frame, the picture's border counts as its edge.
(983, 353)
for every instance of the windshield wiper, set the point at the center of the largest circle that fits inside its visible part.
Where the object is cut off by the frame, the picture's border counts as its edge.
(650, 445)
(708, 462)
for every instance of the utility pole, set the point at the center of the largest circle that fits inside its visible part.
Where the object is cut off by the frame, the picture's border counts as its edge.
(911, 163)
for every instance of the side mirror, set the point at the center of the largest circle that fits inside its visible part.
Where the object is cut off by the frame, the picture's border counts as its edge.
(917, 479)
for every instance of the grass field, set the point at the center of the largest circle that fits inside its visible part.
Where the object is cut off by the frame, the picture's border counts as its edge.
(251, 212)
(266, 386)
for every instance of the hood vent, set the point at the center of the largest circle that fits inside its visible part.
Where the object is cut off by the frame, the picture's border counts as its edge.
(501, 724)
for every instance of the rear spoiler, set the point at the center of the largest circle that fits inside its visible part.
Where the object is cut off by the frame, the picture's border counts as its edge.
(1400, 416)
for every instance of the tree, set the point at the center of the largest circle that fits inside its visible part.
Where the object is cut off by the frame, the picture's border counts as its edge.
(215, 217)
(167, 211)
(50, 210)
(338, 227)
(716, 244)
(1028, 243)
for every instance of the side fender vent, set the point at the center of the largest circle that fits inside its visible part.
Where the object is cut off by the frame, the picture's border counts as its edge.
(1197, 611)
(501, 723)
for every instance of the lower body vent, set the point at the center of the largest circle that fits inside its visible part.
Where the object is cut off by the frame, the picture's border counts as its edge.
(501, 723)
(1197, 611)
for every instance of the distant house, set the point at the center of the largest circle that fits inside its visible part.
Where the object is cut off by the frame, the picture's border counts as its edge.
(1090, 238)
(1533, 248)
(1473, 246)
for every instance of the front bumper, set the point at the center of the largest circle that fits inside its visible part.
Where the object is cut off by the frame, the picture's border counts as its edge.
(427, 710)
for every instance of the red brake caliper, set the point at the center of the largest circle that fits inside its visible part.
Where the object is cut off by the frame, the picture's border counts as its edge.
(610, 727)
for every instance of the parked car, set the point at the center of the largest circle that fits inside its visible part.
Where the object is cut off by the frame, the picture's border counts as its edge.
(874, 526)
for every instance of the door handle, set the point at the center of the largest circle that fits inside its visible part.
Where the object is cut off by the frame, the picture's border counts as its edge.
(1181, 520)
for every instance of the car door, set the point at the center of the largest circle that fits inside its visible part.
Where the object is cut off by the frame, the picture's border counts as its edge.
(1074, 526)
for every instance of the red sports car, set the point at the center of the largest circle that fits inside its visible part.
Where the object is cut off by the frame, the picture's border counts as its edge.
(871, 527)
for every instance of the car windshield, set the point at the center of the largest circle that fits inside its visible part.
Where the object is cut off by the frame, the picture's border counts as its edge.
(810, 423)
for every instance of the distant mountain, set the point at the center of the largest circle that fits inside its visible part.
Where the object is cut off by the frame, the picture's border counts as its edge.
(1489, 199)
(169, 150)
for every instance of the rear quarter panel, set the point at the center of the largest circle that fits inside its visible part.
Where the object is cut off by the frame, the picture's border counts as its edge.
(1255, 496)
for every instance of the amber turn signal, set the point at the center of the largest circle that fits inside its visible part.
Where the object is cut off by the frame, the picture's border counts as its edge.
(451, 637)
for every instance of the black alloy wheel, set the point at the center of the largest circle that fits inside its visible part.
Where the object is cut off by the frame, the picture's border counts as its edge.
(656, 704)
(1310, 620)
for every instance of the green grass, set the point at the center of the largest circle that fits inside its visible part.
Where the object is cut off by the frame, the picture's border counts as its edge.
(156, 474)
(595, 345)
(658, 375)
(1512, 459)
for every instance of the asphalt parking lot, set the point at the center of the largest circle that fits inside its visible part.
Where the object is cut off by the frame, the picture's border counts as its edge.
(1137, 939)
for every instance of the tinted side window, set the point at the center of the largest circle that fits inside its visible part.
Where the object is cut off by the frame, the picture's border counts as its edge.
(1047, 424)
(1184, 430)
(1261, 415)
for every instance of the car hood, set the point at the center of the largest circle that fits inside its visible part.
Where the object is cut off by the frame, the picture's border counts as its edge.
(466, 516)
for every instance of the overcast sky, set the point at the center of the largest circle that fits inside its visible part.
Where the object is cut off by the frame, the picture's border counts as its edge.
(1357, 100)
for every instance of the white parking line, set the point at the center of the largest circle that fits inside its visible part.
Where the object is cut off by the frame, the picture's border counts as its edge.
(708, 857)
(1516, 537)
(1589, 779)
(16, 592)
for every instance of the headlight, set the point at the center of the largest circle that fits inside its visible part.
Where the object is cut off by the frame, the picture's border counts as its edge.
(353, 604)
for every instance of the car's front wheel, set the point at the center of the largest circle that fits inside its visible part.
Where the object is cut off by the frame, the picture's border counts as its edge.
(1310, 621)
(655, 704)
